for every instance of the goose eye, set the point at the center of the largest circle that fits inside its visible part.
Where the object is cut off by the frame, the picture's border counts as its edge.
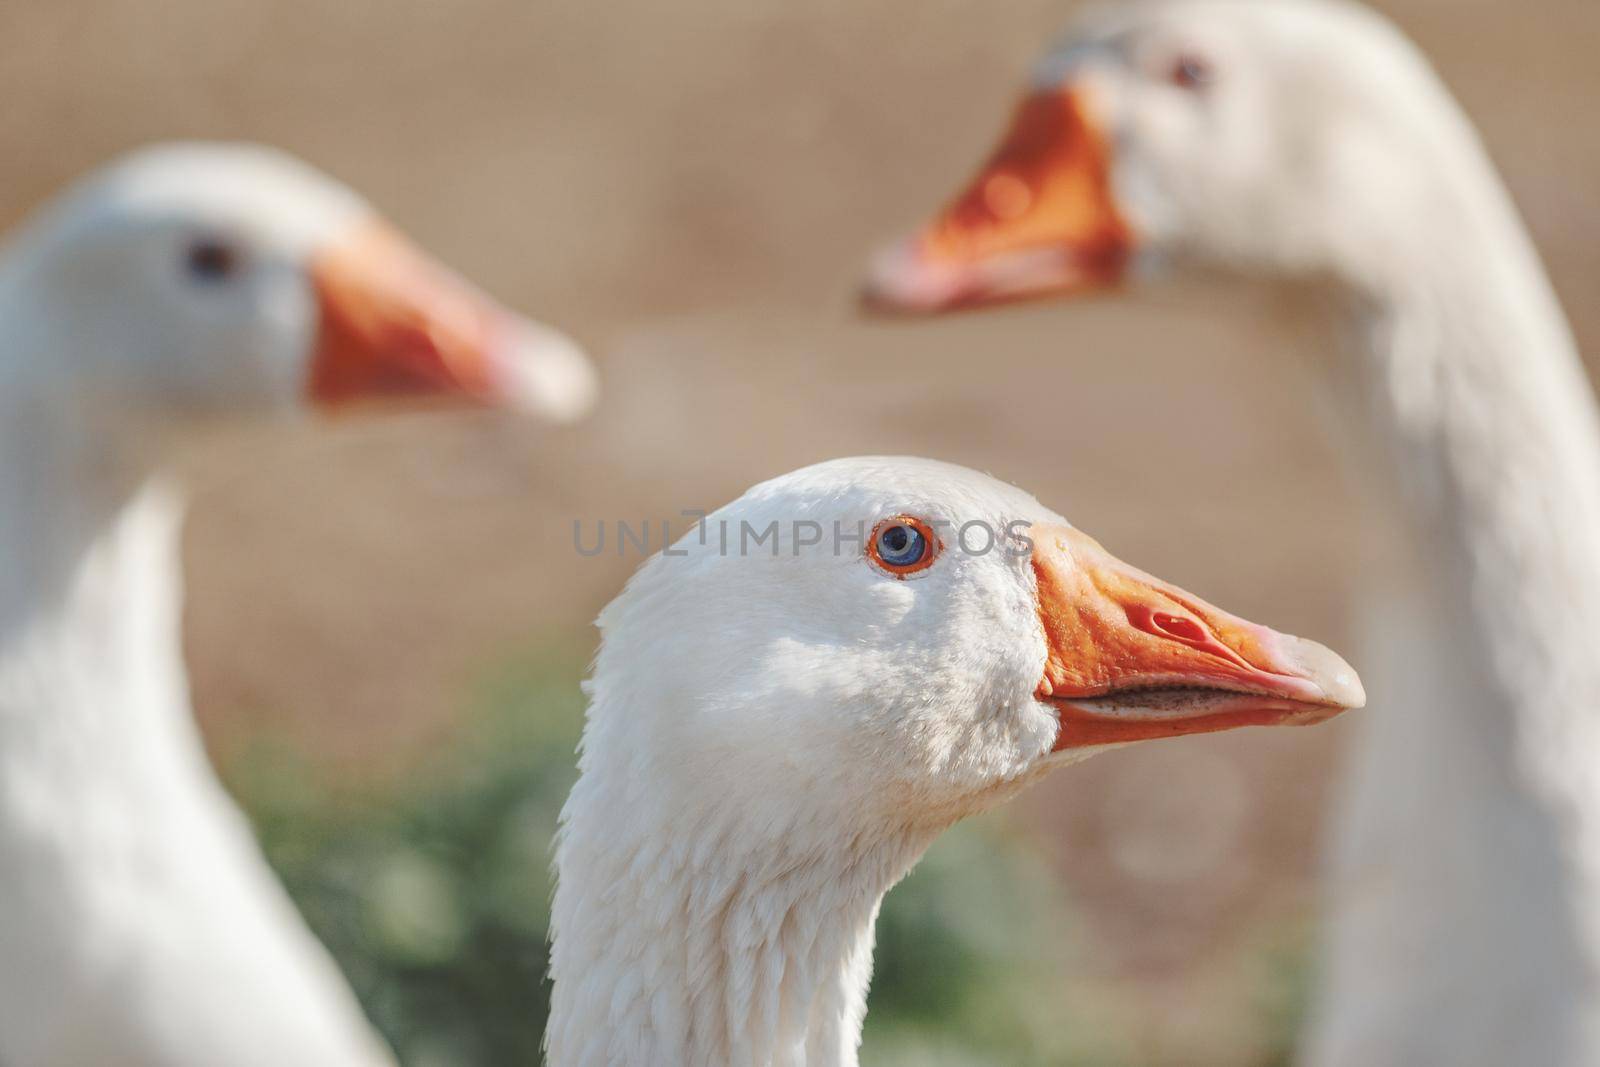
(903, 546)
(1190, 71)
(209, 260)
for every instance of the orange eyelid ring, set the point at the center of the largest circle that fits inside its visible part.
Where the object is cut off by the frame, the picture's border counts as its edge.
(905, 570)
(1130, 657)
(1041, 217)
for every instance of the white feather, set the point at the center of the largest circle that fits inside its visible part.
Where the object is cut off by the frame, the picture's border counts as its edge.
(1465, 894)
(140, 925)
(773, 738)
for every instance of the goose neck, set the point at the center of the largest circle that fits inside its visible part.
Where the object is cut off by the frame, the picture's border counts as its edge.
(694, 937)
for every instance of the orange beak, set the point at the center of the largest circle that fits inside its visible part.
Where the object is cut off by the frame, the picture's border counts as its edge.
(1132, 658)
(1038, 219)
(393, 323)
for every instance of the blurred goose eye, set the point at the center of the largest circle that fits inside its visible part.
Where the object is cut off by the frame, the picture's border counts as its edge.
(903, 546)
(209, 260)
(1190, 71)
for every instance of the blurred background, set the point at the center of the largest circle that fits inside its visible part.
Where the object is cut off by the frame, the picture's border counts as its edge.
(691, 189)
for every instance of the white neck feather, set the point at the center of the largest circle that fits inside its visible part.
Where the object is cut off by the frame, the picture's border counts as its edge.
(140, 924)
(1466, 929)
(691, 931)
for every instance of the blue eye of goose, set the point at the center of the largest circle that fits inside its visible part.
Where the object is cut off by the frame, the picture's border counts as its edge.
(901, 545)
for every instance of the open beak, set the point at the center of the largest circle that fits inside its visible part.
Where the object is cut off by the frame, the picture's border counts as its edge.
(1039, 218)
(1132, 658)
(394, 323)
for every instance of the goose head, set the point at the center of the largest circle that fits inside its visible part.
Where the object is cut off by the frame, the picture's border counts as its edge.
(1299, 139)
(791, 703)
(906, 640)
(208, 278)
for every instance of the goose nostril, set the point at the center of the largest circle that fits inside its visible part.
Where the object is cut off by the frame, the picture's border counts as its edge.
(1179, 627)
(1007, 196)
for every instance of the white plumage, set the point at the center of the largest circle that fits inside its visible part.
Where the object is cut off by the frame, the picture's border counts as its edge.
(1307, 140)
(139, 923)
(774, 736)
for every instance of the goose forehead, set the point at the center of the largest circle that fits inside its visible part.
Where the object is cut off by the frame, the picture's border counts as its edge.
(1259, 23)
(245, 187)
(870, 486)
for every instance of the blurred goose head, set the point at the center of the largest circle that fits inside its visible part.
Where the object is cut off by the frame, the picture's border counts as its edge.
(227, 279)
(778, 728)
(1293, 139)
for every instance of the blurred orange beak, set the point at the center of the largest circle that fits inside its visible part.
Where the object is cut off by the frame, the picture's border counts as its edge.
(1039, 219)
(1132, 658)
(392, 323)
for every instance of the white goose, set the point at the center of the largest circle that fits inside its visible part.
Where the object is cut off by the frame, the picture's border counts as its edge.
(1307, 140)
(778, 729)
(139, 924)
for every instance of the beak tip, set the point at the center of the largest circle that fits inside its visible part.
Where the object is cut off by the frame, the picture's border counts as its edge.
(545, 373)
(901, 280)
(1329, 672)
